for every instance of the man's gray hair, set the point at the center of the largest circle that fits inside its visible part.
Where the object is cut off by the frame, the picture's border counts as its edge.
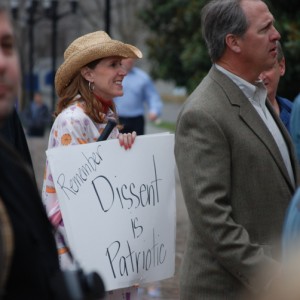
(219, 18)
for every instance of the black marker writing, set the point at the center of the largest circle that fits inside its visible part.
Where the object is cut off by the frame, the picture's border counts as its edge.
(123, 260)
(129, 195)
(72, 185)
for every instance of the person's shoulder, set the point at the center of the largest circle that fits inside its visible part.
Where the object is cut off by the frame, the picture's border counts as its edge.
(140, 73)
(73, 113)
(288, 104)
(10, 156)
(297, 100)
(45, 106)
(74, 109)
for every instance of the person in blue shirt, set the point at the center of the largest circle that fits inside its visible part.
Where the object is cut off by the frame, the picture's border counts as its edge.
(271, 78)
(139, 94)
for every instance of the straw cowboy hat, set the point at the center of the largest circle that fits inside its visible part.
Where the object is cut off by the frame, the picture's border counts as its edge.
(86, 49)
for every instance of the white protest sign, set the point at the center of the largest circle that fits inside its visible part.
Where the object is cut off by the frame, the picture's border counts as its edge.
(118, 207)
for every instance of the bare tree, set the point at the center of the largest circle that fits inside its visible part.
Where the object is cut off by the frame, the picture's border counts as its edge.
(124, 21)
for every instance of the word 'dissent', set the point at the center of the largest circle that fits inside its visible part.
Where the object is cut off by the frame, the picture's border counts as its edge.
(127, 196)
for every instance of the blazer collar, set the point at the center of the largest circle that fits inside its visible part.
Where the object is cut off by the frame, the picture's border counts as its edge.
(250, 117)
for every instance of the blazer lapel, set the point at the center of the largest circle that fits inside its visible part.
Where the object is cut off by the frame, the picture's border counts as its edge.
(288, 141)
(256, 124)
(250, 116)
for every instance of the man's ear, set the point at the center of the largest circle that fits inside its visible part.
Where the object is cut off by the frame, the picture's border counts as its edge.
(233, 43)
(281, 65)
(87, 74)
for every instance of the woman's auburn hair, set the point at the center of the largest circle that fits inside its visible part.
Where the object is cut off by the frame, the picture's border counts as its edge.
(93, 107)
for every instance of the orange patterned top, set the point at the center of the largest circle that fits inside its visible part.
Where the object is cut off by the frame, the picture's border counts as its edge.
(71, 127)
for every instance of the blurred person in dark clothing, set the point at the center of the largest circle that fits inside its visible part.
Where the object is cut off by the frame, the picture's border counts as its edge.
(13, 132)
(28, 251)
(37, 116)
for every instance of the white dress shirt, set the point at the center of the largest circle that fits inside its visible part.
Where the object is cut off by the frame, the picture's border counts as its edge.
(257, 95)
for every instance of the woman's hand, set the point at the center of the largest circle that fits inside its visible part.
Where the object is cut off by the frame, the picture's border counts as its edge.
(127, 139)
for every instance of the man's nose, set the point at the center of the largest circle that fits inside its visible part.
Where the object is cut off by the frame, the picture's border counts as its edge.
(275, 34)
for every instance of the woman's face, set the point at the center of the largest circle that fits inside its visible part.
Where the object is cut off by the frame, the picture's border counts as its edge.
(107, 77)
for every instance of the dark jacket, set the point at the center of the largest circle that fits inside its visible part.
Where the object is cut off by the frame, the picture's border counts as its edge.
(34, 260)
(12, 131)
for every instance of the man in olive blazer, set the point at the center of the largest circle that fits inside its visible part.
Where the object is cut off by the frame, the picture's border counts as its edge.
(237, 179)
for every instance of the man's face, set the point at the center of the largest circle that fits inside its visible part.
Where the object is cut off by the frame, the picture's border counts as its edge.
(272, 76)
(9, 67)
(258, 45)
(128, 63)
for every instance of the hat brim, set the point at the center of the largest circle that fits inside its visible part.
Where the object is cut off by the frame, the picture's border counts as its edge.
(67, 71)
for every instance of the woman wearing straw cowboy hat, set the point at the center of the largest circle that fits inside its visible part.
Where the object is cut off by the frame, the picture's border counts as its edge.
(86, 82)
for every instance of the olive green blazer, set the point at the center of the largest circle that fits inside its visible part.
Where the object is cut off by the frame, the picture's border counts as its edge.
(236, 188)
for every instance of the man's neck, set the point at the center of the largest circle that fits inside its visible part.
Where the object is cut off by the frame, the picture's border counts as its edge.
(243, 73)
(275, 104)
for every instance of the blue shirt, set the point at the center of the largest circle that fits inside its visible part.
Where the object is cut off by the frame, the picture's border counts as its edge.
(139, 91)
(285, 106)
(295, 125)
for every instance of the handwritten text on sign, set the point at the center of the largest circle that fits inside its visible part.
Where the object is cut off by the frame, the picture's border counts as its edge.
(118, 207)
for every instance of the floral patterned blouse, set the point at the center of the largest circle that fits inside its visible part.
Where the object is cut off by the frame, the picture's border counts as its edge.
(71, 127)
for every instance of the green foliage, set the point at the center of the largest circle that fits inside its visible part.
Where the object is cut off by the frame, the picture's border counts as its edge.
(176, 49)
(178, 52)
